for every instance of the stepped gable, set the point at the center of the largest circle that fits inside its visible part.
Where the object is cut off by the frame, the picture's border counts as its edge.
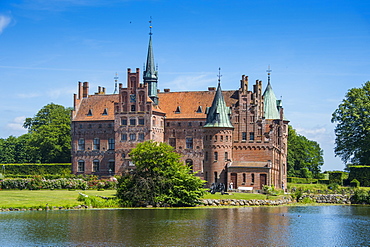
(191, 104)
(97, 105)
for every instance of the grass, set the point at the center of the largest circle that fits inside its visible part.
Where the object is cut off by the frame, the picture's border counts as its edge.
(43, 198)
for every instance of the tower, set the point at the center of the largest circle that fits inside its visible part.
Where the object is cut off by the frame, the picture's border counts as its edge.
(150, 75)
(218, 132)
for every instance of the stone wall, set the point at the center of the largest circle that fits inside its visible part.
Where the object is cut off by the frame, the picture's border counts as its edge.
(328, 198)
(235, 202)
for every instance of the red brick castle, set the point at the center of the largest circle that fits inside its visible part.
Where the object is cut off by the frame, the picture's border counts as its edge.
(236, 137)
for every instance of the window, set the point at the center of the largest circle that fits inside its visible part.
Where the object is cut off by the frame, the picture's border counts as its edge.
(132, 137)
(96, 144)
(105, 112)
(189, 163)
(215, 156)
(172, 142)
(81, 166)
(111, 166)
(226, 155)
(178, 110)
(189, 142)
(178, 124)
(123, 155)
(199, 109)
(222, 138)
(190, 124)
(111, 143)
(95, 165)
(123, 137)
(168, 124)
(132, 121)
(215, 173)
(200, 123)
(251, 136)
(244, 136)
(133, 107)
(141, 121)
(81, 144)
(244, 178)
(227, 138)
(206, 156)
(109, 125)
(124, 121)
(141, 137)
(252, 178)
(89, 113)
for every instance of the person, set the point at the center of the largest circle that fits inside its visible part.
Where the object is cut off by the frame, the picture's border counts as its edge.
(231, 185)
(282, 186)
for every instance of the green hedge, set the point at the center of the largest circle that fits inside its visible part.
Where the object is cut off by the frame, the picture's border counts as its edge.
(336, 177)
(35, 169)
(295, 180)
(360, 173)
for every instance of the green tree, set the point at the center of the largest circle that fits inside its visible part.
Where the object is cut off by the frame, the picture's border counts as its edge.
(50, 134)
(14, 149)
(305, 157)
(353, 126)
(159, 179)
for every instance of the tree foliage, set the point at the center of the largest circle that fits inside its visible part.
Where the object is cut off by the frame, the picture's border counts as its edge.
(353, 126)
(305, 157)
(159, 179)
(48, 139)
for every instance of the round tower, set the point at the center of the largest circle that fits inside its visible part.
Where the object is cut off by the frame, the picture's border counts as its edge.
(217, 140)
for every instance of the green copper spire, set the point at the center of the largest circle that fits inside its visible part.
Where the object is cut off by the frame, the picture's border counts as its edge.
(270, 102)
(218, 115)
(150, 75)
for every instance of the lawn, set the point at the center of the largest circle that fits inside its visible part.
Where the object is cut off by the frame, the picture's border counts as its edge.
(239, 196)
(43, 198)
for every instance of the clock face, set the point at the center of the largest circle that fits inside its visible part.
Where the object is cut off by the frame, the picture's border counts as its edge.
(132, 98)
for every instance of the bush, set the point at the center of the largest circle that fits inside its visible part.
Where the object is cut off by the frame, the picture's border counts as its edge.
(354, 183)
(333, 186)
(36, 169)
(337, 177)
(360, 196)
(361, 173)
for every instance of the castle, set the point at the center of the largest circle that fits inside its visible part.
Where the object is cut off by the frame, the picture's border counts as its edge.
(236, 137)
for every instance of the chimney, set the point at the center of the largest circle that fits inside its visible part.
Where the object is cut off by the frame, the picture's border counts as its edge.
(79, 90)
(85, 89)
(211, 89)
(166, 90)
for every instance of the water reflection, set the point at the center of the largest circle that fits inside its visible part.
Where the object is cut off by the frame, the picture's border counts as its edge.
(249, 226)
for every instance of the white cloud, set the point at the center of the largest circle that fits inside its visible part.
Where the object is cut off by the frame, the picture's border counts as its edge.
(15, 127)
(4, 22)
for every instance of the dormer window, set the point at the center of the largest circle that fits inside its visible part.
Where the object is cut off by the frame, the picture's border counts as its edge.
(105, 112)
(89, 113)
(199, 109)
(178, 110)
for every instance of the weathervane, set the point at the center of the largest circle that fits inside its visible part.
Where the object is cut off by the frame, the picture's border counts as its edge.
(150, 26)
(268, 74)
(219, 75)
(115, 84)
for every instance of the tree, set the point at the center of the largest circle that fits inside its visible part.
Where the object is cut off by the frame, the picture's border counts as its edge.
(352, 132)
(305, 157)
(50, 134)
(159, 179)
(15, 149)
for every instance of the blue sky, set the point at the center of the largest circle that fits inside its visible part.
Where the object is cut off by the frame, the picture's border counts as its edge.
(317, 51)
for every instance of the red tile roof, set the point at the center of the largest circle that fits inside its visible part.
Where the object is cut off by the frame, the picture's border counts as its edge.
(97, 104)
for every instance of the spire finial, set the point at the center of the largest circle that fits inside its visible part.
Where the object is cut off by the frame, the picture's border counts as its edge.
(150, 27)
(219, 75)
(268, 74)
(115, 84)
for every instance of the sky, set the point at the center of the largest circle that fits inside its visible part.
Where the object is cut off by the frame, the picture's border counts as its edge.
(317, 51)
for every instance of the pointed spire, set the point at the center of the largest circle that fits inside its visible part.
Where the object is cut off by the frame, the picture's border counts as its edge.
(218, 115)
(150, 74)
(270, 102)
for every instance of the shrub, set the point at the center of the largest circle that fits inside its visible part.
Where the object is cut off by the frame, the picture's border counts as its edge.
(333, 186)
(354, 183)
(360, 196)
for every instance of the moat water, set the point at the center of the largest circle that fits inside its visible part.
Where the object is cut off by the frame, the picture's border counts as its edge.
(249, 226)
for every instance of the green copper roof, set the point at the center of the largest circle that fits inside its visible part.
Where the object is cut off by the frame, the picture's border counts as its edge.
(271, 104)
(150, 72)
(218, 115)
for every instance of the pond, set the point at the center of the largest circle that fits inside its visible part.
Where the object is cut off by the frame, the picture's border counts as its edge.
(242, 226)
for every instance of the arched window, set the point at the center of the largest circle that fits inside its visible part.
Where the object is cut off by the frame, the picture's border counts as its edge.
(189, 163)
(96, 165)
(81, 166)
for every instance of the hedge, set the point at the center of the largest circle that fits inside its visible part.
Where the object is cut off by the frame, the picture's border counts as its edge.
(336, 177)
(360, 173)
(295, 180)
(38, 183)
(35, 169)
